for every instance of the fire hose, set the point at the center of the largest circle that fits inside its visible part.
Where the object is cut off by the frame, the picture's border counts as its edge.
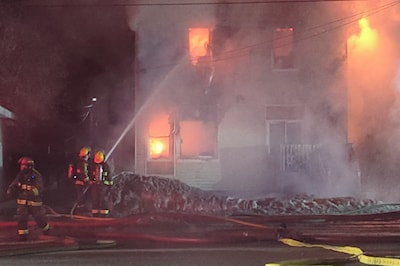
(83, 195)
(79, 199)
(354, 251)
(87, 222)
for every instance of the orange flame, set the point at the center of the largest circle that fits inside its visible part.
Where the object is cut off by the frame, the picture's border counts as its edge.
(367, 38)
(159, 136)
(365, 74)
(198, 43)
(156, 148)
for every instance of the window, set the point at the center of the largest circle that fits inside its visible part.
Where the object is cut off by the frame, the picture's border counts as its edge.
(285, 132)
(282, 54)
(159, 140)
(198, 139)
(284, 125)
(159, 147)
(198, 43)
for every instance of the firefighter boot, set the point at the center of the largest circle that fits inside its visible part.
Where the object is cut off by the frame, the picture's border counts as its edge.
(46, 230)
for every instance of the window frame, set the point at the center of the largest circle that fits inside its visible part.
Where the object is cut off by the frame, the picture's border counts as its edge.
(273, 49)
(198, 157)
(287, 115)
(170, 148)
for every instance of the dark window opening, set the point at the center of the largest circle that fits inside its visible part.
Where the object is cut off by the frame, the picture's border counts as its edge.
(283, 48)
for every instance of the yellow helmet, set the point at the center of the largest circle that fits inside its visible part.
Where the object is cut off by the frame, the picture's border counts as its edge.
(84, 151)
(99, 157)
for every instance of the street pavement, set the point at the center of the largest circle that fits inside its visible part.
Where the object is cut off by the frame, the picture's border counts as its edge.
(146, 239)
(209, 256)
(184, 239)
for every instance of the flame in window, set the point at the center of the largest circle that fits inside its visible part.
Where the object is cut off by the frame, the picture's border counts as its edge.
(159, 137)
(157, 148)
(198, 43)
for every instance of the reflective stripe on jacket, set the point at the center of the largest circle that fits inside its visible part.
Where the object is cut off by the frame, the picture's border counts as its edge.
(29, 188)
(29, 202)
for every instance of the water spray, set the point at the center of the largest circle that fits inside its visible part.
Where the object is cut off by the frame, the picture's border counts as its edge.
(123, 134)
(142, 108)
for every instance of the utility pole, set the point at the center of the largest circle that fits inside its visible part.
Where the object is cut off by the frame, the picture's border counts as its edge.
(91, 122)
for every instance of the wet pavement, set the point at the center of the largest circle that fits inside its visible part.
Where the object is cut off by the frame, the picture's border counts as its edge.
(159, 231)
(218, 256)
(185, 239)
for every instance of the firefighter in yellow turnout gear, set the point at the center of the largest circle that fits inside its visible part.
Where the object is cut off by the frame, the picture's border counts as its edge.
(79, 173)
(100, 183)
(27, 187)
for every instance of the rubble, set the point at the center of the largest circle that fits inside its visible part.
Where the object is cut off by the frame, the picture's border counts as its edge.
(132, 194)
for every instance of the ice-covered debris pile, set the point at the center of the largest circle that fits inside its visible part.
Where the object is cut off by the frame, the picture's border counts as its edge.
(133, 193)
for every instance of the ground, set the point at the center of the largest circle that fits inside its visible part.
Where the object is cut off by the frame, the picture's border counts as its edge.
(163, 217)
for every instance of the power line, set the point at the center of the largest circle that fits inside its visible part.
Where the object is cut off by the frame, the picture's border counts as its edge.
(28, 3)
(354, 18)
(243, 51)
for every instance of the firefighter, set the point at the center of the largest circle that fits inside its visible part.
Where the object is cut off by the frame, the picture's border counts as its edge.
(78, 172)
(28, 187)
(100, 181)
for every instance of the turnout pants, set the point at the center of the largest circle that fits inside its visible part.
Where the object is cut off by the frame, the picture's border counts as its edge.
(37, 212)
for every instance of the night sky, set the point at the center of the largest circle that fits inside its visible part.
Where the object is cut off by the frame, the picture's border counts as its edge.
(53, 60)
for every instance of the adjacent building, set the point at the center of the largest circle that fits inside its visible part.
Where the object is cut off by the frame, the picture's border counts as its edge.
(4, 114)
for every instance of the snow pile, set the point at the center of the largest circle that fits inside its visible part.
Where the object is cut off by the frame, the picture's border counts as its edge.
(133, 194)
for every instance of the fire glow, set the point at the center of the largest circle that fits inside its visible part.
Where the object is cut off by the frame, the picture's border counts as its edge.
(198, 43)
(159, 137)
(156, 148)
(366, 39)
(362, 57)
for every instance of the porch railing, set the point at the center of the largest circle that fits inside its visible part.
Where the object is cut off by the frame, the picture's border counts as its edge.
(297, 157)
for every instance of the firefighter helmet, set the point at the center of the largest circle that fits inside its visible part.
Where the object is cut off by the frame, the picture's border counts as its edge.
(84, 151)
(99, 157)
(26, 161)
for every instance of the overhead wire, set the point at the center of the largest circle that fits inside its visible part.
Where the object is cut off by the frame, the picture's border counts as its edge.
(241, 51)
(357, 17)
(332, 25)
(177, 3)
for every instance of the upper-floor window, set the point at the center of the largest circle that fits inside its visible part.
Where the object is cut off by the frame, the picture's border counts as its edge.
(282, 50)
(199, 39)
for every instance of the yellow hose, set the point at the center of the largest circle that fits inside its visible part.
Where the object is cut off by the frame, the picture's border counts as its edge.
(354, 251)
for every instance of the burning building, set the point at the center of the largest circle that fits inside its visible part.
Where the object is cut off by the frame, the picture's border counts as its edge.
(255, 98)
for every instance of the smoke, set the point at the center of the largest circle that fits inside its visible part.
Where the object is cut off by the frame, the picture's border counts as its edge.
(373, 102)
(352, 98)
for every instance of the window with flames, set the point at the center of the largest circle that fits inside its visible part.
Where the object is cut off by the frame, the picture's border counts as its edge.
(199, 39)
(159, 140)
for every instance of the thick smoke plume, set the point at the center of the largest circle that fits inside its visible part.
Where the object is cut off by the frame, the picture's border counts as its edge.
(369, 61)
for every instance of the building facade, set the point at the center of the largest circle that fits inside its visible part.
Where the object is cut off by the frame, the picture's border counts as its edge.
(241, 97)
